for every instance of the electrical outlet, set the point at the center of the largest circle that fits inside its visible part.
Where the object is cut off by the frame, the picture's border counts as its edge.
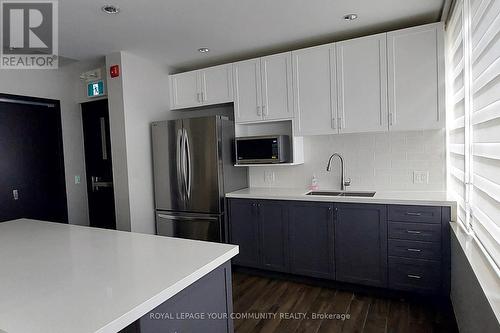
(78, 180)
(269, 177)
(420, 177)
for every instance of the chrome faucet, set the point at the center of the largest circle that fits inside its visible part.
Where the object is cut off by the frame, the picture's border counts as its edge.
(343, 183)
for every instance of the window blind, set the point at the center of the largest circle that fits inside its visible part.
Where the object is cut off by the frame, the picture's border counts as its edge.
(473, 46)
(485, 117)
(456, 110)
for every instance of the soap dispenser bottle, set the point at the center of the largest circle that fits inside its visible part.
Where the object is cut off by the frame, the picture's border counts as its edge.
(314, 183)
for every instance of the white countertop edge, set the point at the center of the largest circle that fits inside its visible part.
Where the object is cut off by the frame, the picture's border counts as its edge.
(321, 198)
(142, 309)
(436, 198)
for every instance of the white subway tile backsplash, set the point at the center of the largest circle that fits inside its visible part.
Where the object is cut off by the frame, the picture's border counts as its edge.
(379, 161)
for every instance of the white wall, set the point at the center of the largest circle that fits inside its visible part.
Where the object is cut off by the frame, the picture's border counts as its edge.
(136, 98)
(60, 84)
(378, 161)
(118, 144)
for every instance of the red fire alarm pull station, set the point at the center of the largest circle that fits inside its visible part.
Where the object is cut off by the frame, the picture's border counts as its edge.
(114, 71)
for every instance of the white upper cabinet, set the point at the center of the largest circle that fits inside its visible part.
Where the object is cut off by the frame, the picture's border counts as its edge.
(263, 88)
(247, 91)
(362, 84)
(276, 74)
(314, 90)
(392, 81)
(208, 86)
(416, 78)
(217, 85)
(185, 90)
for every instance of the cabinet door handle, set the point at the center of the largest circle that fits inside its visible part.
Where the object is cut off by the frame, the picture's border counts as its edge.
(202, 97)
(413, 232)
(198, 97)
(391, 118)
(259, 113)
(411, 276)
(414, 250)
(413, 214)
(339, 120)
(334, 123)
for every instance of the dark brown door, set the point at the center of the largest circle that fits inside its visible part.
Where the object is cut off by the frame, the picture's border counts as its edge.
(98, 164)
(32, 180)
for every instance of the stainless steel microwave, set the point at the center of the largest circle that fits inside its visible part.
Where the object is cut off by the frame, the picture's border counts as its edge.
(263, 149)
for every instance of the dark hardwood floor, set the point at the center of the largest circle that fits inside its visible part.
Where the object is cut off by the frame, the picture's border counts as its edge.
(263, 304)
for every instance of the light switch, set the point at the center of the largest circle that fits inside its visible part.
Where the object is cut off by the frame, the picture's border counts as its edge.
(420, 177)
(78, 180)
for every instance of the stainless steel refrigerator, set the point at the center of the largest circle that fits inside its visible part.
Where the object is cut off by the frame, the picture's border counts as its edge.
(193, 168)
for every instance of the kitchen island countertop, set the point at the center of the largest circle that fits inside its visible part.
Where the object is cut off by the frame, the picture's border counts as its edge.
(63, 278)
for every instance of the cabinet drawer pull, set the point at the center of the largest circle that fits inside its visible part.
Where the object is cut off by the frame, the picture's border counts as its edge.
(414, 250)
(411, 276)
(413, 232)
(413, 214)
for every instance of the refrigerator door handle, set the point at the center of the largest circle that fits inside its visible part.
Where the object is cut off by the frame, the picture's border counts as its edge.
(188, 164)
(180, 162)
(185, 218)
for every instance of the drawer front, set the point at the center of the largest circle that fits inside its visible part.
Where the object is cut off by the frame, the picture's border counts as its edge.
(424, 214)
(415, 231)
(414, 275)
(414, 249)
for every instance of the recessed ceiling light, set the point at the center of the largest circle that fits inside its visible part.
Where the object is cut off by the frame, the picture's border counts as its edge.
(203, 50)
(110, 9)
(350, 17)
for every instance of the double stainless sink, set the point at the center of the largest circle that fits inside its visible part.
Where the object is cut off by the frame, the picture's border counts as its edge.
(342, 193)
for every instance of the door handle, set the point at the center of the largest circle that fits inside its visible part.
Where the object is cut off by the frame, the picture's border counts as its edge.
(185, 218)
(104, 147)
(413, 214)
(414, 250)
(180, 162)
(188, 172)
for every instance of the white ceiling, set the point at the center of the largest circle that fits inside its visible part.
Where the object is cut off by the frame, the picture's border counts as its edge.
(171, 31)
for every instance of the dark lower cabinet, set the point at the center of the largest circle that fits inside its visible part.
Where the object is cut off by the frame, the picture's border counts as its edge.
(311, 239)
(273, 235)
(361, 244)
(244, 231)
(260, 229)
(390, 246)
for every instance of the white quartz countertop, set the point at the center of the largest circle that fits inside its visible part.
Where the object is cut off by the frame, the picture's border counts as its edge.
(60, 278)
(423, 198)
